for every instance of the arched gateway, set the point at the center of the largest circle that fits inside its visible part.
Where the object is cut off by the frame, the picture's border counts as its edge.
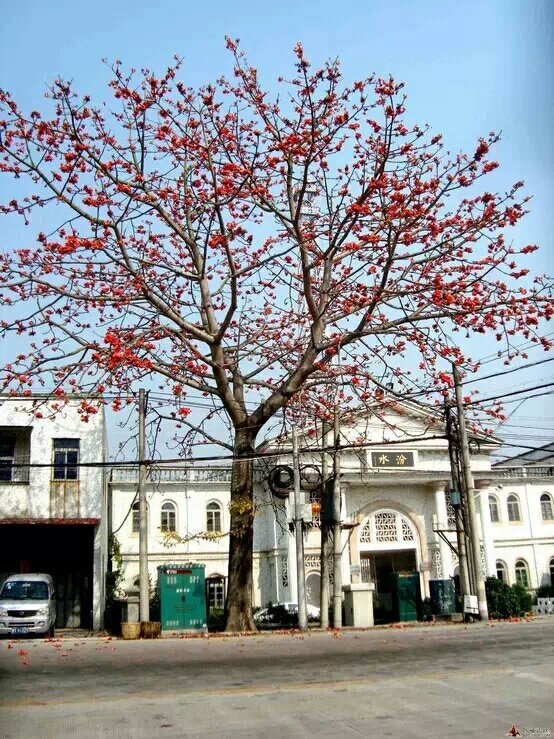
(389, 550)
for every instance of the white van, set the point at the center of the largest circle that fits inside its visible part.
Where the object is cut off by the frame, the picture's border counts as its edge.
(28, 605)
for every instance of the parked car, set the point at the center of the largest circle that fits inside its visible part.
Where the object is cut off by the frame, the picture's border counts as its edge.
(28, 605)
(283, 613)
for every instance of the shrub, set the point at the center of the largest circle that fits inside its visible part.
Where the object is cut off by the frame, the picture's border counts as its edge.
(525, 600)
(504, 601)
(216, 619)
(545, 591)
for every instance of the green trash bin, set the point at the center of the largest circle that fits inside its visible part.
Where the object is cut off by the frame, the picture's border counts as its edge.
(443, 597)
(182, 597)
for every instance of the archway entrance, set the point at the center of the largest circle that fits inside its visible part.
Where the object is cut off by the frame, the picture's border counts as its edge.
(389, 559)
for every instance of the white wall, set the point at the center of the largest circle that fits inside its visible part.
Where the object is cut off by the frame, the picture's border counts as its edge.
(190, 499)
(32, 500)
(532, 539)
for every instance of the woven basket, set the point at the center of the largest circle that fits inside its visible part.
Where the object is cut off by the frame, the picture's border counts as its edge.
(150, 629)
(130, 631)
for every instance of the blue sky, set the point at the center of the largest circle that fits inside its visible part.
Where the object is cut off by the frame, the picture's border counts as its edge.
(469, 66)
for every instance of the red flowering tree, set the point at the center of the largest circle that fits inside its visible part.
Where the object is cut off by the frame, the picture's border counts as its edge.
(226, 241)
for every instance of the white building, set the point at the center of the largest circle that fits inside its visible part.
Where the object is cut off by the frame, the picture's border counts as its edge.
(521, 505)
(394, 503)
(188, 521)
(52, 505)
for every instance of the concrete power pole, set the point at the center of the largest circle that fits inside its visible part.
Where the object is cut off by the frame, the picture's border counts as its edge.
(144, 585)
(470, 496)
(298, 517)
(337, 529)
(455, 490)
(324, 527)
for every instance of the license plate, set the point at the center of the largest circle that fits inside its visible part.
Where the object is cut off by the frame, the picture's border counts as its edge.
(20, 630)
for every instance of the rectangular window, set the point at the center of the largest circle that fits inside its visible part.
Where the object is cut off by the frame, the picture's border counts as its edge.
(216, 594)
(135, 525)
(213, 518)
(66, 459)
(493, 508)
(15, 450)
(7, 456)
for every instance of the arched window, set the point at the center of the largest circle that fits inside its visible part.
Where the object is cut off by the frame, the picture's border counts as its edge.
(501, 571)
(514, 514)
(546, 507)
(387, 527)
(494, 509)
(213, 517)
(135, 520)
(522, 573)
(167, 519)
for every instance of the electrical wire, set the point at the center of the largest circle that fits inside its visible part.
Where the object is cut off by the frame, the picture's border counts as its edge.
(230, 458)
(506, 395)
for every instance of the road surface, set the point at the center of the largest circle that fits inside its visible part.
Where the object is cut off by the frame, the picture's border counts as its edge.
(432, 681)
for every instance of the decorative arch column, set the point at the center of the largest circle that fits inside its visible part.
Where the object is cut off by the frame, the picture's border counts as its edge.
(442, 521)
(483, 488)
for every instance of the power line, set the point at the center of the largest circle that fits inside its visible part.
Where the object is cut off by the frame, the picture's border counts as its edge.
(515, 392)
(522, 400)
(228, 458)
(516, 349)
(508, 372)
(162, 397)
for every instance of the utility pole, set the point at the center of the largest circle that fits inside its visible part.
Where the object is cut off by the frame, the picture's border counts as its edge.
(470, 498)
(324, 527)
(337, 530)
(144, 585)
(300, 570)
(456, 500)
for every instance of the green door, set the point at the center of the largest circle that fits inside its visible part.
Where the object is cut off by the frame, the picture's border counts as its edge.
(407, 595)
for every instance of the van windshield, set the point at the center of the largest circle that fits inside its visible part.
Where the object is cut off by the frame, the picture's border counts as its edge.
(24, 590)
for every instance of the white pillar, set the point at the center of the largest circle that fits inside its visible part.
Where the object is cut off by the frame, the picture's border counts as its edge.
(291, 555)
(442, 520)
(98, 578)
(354, 549)
(346, 579)
(487, 538)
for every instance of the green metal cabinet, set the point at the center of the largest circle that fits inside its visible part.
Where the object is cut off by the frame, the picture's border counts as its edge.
(443, 597)
(182, 597)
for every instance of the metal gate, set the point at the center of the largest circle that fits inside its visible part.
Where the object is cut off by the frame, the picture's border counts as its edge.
(72, 600)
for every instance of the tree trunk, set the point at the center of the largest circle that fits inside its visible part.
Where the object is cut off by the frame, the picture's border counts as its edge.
(238, 606)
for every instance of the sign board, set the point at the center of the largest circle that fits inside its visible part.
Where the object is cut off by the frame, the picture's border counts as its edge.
(355, 569)
(471, 604)
(392, 459)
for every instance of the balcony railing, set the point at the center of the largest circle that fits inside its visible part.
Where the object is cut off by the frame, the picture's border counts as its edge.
(14, 470)
(173, 474)
(528, 471)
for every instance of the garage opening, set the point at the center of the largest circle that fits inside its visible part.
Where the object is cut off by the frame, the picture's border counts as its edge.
(63, 551)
